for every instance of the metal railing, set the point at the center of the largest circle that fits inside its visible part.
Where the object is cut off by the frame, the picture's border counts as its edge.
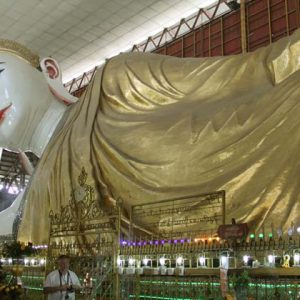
(202, 17)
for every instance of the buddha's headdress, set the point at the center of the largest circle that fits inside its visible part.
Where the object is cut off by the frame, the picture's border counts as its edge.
(20, 51)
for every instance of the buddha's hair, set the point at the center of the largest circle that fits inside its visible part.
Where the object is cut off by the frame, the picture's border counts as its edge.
(19, 50)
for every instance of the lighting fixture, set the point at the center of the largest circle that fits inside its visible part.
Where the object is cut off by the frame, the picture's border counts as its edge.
(119, 262)
(271, 259)
(162, 261)
(224, 261)
(296, 259)
(131, 262)
(202, 261)
(145, 261)
(179, 261)
(246, 259)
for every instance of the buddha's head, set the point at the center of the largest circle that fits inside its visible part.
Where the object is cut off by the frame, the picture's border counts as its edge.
(27, 88)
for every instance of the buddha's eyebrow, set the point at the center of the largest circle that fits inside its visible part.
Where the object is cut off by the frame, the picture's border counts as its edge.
(1, 70)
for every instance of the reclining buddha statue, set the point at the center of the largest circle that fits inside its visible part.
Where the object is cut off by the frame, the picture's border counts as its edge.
(152, 127)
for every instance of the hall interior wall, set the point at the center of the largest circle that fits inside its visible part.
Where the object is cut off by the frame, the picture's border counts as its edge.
(266, 21)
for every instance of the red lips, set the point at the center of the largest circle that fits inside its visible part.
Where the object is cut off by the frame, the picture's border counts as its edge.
(3, 111)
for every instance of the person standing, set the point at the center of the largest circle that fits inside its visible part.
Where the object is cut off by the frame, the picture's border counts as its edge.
(62, 283)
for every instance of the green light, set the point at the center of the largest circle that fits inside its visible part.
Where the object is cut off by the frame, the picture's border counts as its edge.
(160, 297)
(270, 235)
(153, 282)
(34, 277)
(217, 284)
(33, 288)
(261, 235)
(252, 236)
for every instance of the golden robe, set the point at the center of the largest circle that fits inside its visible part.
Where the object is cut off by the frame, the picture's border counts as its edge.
(153, 127)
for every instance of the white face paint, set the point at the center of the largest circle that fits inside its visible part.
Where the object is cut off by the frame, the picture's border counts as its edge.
(29, 113)
(24, 99)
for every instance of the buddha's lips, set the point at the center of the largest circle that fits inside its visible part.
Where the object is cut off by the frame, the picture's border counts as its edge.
(3, 111)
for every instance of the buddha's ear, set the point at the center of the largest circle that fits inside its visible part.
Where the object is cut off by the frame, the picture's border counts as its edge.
(50, 68)
(284, 58)
(52, 73)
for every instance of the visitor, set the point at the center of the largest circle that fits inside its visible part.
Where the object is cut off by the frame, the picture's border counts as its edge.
(62, 283)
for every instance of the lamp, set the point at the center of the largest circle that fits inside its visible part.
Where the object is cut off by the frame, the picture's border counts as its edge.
(271, 260)
(131, 267)
(297, 258)
(131, 262)
(202, 261)
(179, 261)
(162, 261)
(119, 261)
(246, 259)
(145, 261)
(224, 262)
(162, 269)
(180, 265)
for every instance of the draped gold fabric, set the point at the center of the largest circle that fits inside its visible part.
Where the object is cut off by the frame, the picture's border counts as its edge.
(154, 127)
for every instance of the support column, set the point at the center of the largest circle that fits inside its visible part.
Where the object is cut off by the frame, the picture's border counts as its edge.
(243, 26)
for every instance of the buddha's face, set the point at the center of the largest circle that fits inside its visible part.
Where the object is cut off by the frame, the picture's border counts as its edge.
(24, 97)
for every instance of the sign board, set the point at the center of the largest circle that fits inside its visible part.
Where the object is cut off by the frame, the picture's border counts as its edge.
(183, 217)
(233, 231)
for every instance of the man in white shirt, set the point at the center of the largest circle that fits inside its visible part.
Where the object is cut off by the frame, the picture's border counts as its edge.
(62, 283)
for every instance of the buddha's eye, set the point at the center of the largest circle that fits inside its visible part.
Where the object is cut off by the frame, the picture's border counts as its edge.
(1, 70)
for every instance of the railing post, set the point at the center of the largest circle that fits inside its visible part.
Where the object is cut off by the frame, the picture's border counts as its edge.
(117, 251)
